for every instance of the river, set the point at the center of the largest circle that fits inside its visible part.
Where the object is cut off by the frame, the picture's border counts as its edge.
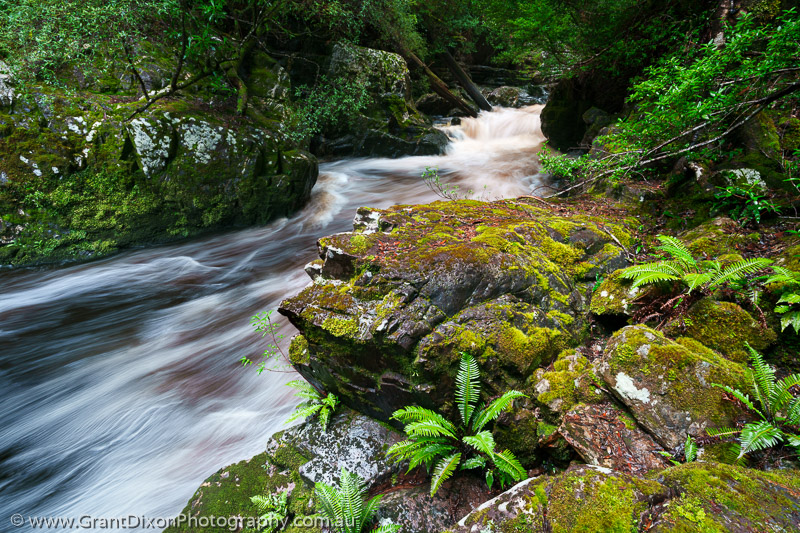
(120, 379)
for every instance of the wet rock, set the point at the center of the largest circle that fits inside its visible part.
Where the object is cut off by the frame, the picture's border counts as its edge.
(690, 497)
(352, 441)
(414, 286)
(432, 104)
(505, 96)
(604, 435)
(666, 385)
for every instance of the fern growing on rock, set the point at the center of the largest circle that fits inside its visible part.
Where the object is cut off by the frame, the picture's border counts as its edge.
(316, 403)
(272, 511)
(345, 508)
(775, 405)
(701, 276)
(444, 447)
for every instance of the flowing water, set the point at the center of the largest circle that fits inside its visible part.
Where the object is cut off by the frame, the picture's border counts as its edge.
(120, 382)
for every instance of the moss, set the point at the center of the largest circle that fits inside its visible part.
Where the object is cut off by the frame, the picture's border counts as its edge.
(298, 351)
(613, 296)
(341, 327)
(725, 327)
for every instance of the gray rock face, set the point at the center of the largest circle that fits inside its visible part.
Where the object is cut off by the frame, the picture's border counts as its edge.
(353, 442)
(6, 91)
(667, 385)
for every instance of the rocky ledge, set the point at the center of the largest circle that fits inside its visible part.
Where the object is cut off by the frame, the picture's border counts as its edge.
(533, 292)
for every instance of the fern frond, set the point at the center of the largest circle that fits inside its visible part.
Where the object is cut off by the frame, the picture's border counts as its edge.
(431, 427)
(791, 319)
(371, 509)
(503, 403)
(427, 454)
(483, 442)
(690, 449)
(468, 387)
(694, 280)
(763, 377)
(738, 270)
(782, 275)
(328, 501)
(722, 432)
(413, 413)
(304, 412)
(739, 395)
(352, 490)
(304, 389)
(508, 463)
(758, 436)
(387, 528)
(473, 462)
(444, 470)
(789, 298)
(676, 249)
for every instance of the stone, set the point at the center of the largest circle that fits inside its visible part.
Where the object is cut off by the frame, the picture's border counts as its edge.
(689, 497)
(724, 327)
(667, 386)
(399, 298)
(505, 96)
(604, 435)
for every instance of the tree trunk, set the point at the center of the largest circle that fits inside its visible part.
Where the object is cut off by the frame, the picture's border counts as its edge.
(466, 83)
(438, 86)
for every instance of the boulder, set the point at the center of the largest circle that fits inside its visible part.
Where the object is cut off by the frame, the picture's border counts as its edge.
(667, 385)
(605, 435)
(389, 125)
(571, 381)
(395, 302)
(505, 96)
(689, 497)
(724, 327)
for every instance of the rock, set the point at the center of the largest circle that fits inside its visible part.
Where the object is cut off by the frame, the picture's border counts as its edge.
(666, 385)
(614, 297)
(504, 96)
(432, 104)
(689, 497)
(715, 237)
(724, 327)
(6, 90)
(570, 382)
(418, 512)
(389, 126)
(748, 179)
(352, 441)
(604, 435)
(398, 299)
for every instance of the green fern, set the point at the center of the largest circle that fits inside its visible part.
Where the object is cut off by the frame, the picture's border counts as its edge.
(788, 305)
(444, 448)
(777, 408)
(701, 276)
(344, 506)
(272, 510)
(316, 403)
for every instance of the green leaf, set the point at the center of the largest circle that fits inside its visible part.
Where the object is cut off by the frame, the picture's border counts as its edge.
(433, 427)
(758, 436)
(473, 462)
(489, 478)
(483, 442)
(468, 387)
(443, 471)
(738, 270)
(507, 462)
(503, 403)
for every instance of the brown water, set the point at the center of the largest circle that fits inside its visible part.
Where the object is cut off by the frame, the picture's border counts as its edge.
(120, 382)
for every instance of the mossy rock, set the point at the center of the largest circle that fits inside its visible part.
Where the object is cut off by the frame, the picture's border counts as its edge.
(710, 240)
(571, 381)
(613, 296)
(666, 385)
(685, 498)
(395, 302)
(724, 327)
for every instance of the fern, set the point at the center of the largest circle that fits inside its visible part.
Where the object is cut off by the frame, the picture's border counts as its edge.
(777, 408)
(272, 510)
(315, 404)
(438, 444)
(344, 506)
(702, 277)
(788, 304)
